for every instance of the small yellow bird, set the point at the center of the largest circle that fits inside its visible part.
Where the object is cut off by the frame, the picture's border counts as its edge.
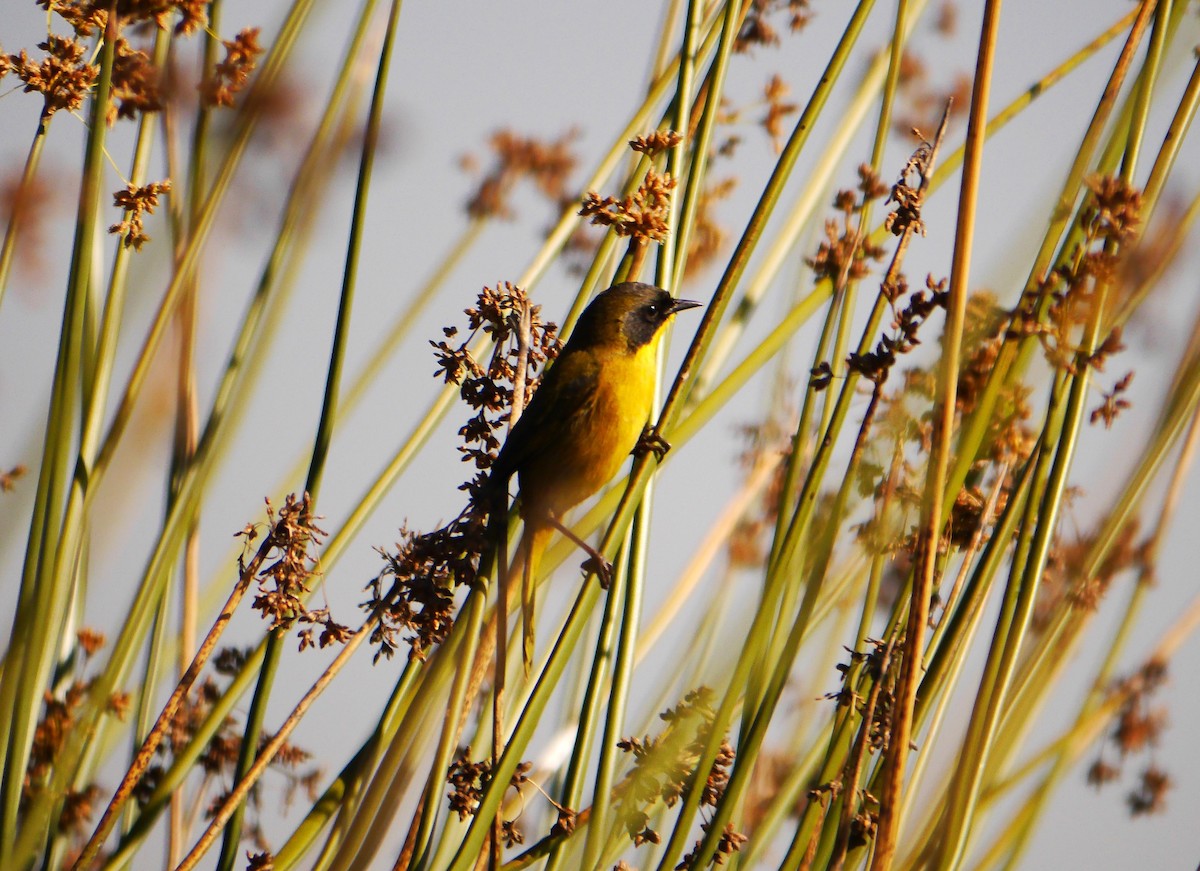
(588, 413)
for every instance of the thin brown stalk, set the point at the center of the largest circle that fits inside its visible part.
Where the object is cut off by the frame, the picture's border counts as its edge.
(855, 765)
(503, 573)
(891, 797)
(272, 747)
(986, 517)
(146, 753)
(404, 860)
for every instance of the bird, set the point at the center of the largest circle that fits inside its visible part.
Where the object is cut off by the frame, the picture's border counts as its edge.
(585, 418)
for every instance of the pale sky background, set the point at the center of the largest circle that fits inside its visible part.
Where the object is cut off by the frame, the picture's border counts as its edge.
(461, 71)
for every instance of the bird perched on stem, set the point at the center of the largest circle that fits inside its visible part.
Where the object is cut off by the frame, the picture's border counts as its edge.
(585, 418)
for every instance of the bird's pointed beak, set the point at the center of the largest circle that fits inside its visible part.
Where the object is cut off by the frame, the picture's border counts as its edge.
(684, 304)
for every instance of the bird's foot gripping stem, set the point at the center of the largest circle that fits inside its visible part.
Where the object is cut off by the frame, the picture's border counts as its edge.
(595, 561)
(650, 442)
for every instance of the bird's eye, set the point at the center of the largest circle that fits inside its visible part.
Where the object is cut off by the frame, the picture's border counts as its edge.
(652, 309)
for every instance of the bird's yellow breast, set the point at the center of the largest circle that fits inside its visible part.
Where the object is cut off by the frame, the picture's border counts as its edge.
(589, 446)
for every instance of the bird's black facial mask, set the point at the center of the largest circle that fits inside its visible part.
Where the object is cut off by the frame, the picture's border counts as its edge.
(644, 321)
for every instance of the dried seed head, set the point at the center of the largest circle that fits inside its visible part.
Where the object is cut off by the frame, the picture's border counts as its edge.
(231, 75)
(777, 109)
(63, 78)
(136, 203)
(548, 164)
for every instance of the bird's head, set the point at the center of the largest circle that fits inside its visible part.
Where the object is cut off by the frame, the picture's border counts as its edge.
(631, 311)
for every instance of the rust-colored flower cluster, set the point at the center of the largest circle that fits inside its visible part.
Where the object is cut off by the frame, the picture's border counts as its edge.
(219, 758)
(1067, 581)
(221, 752)
(922, 100)
(778, 108)
(414, 593)
(655, 143)
(136, 88)
(192, 14)
(63, 78)
(230, 76)
(547, 164)
(875, 365)
(283, 584)
(644, 215)
(137, 202)
(488, 390)
(84, 16)
(1009, 440)
(469, 781)
(983, 336)
(1113, 402)
(908, 195)
(55, 726)
(67, 74)
(757, 28)
(8, 480)
(845, 253)
(709, 238)
(1065, 300)
(664, 766)
(1137, 730)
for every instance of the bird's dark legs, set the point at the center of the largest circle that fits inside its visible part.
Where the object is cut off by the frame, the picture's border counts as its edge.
(595, 562)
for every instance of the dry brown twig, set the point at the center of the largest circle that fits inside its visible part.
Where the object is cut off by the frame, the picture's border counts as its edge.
(280, 533)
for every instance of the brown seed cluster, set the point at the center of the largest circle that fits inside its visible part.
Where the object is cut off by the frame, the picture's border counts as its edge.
(759, 24)
(136, 87)
(84, 16)
(1066, 581)
(31, 203)
(643, 215)
(1138, 727)
(230, 76)
(218, 760)
(778, 109)
(414, 593)
(191, 13)
(284, 583)
(63, 78)
(730, 842)
(137, 202)
(1114, 403)
(983, 336)
(655, 143)
(1009, 439)
(67, 74)
(877, 364)
(487, 390)
(547, 164)
(69, 70)
(1065, 300)
(922, 100)
(709, 238)
(8, 480)
(469, 781)
(665, 765)
(908, 195)
(845, 253)
(57, 723)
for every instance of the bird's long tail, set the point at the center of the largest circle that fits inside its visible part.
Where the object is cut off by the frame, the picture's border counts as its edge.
(533, 545)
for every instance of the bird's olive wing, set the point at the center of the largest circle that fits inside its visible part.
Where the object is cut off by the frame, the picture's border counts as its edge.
(555, 409)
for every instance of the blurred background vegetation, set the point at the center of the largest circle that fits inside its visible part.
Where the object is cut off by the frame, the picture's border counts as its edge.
(902, 594)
